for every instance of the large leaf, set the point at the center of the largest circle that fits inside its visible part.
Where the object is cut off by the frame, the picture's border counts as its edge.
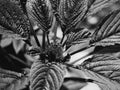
(108, 27)
(46, 76)
(112, 40)
(99, 5)
(10, 80)
(13, 20)
(104, 69)
(40, 11)
(71, 12)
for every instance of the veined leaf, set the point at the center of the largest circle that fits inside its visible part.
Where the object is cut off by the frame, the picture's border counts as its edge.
(10, 80)
(108, 27)
(104, 70)
(112, 40)
(46, 76)
(40, 11)
(13, 20)
(99, 5)
(71, 12)
(77, 38)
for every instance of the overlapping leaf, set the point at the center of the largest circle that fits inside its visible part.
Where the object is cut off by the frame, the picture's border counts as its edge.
(99, 5)
(40, 11)
(77, 38)
(104, 69)
(108, 27)
(13, 20)
(71, 12)
(10, 80)
(46, 76)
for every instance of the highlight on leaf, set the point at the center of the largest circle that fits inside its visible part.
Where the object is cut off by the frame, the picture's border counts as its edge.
(13, 21)
(10, 80)
(46, 76)
(40, 12)
(104, 69)
(108, 27)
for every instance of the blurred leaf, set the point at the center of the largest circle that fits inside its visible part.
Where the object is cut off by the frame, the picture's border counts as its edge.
(39, 11)
(108, 27)
(5, 42)
(10, 80)
(18, 45)
(99, 5)
(13, 21)
(46, 76)
(104, 69)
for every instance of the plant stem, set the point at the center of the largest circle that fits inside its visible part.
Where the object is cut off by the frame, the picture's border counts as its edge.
(62, 39)
(43, 40)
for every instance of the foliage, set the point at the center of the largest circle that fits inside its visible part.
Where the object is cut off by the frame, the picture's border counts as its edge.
(40, 60)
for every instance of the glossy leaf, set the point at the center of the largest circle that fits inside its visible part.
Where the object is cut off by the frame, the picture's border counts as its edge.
(39, 11)
(10, 80)
(108, 27)
(13, 21)
(104, 69)
(46, 76)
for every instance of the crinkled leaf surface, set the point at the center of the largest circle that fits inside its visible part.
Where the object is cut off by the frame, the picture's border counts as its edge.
(13, 20)
(104, 69)
(71, 12)
(108, 27)
(40, 11)
(77, 37)
(10, 80)
(46, 76)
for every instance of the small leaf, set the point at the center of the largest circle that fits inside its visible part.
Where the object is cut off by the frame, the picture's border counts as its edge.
(104, 69)
(39, 10)
(18, 45)
(71, 12)
(108, 27)
(77, 38)
(10, 80)
(46, 76)
(13, 20)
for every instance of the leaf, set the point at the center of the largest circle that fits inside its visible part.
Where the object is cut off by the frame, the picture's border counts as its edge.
(13, 21)
(18, 45)
(46, 76)
(5, 42)
(71, 12)
(39, 10)
(104, 69)
(77, 38)
(108, 27)
(10, 80)
(112, 40)
(99, 5)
